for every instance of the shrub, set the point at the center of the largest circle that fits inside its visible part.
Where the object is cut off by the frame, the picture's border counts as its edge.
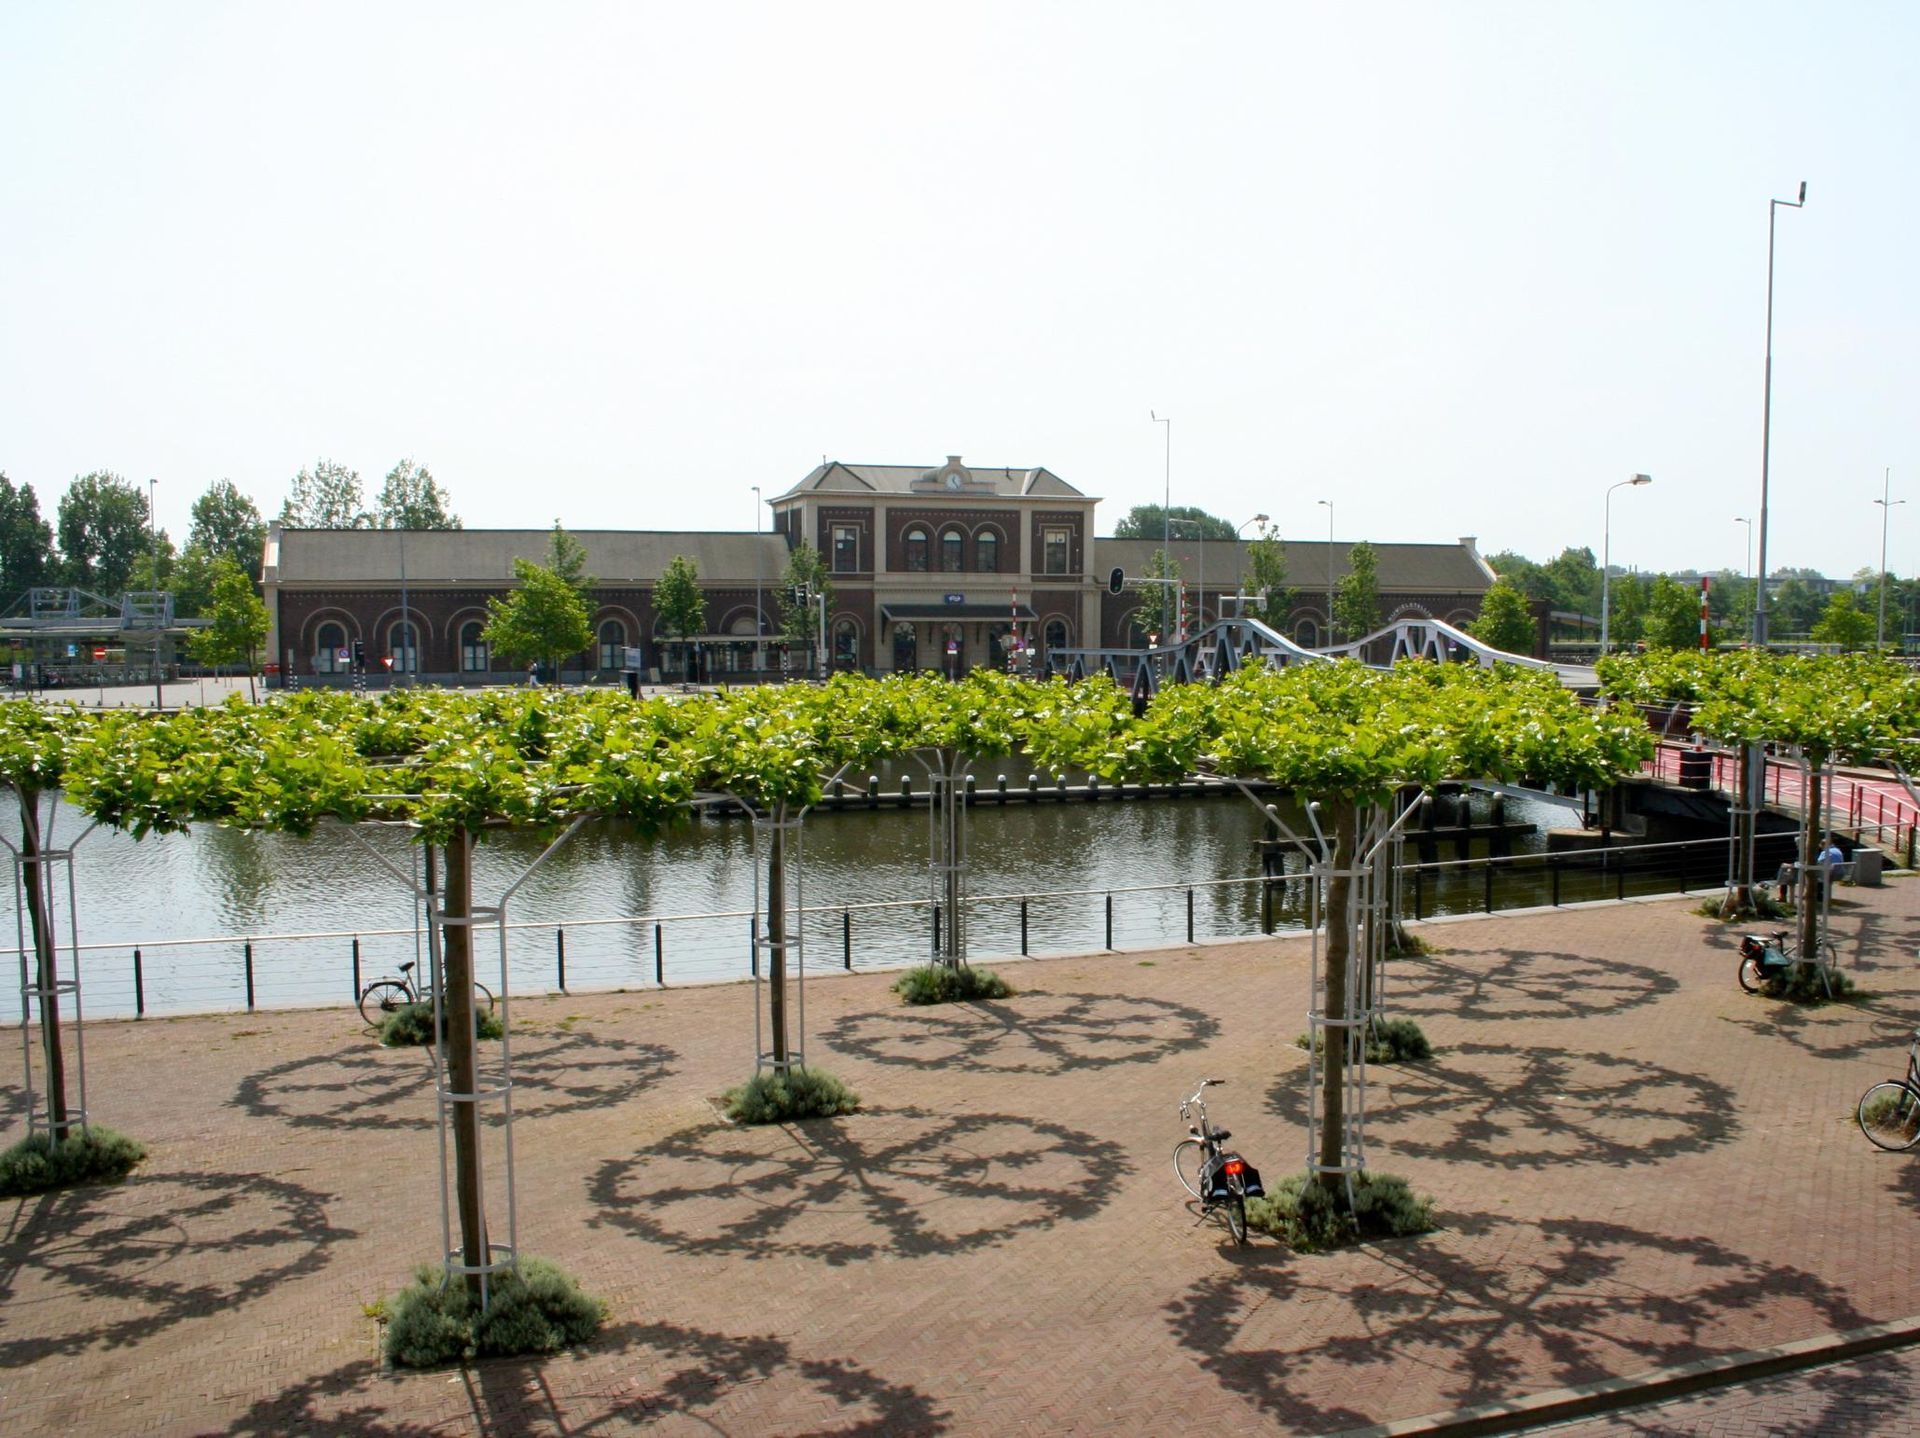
(1391, 1041)
(772, 1096)
(1800, 984)
(90, 1155)
(1311, 1218)
(436, 1320)
(950, 984)
(412, 1024)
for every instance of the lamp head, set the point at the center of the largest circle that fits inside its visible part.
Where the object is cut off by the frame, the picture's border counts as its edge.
(1641, 479)
(1803, 192)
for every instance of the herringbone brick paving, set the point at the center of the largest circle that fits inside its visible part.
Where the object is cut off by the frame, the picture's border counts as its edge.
(1635, 1163)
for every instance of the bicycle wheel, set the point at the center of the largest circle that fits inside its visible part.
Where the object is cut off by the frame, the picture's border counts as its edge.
(382, 997)
(1749, 974)
(1188, 1155)
(1889, 1115)
(482, 991)
(1237, 1215)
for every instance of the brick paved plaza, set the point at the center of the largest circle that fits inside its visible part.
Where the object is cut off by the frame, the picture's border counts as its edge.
(1636, 1165)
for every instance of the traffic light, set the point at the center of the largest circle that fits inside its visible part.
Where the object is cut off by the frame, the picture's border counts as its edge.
(359, 655)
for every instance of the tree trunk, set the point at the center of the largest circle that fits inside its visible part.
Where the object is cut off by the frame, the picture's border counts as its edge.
(1339, 951)
(1812, 871)
(45, 957)
(777, 934)
(462, 1068)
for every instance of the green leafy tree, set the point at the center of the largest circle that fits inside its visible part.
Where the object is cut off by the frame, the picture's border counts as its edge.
(103, 530)
(227, 523)
(1794, 605)
(805, 575)
(153, 567)
(327, 496)
(239, 624)
(679, 605)
(1266, 579)
(1531, 579)
(26, 540)
(1149, 521)
(191, 581)
(544, 618)
(412, 499)
(1505, 621)
(1576, 581)
(1356, 598)
(1156, 617)
(567, 557)
(1672, 615)
(1844, 623)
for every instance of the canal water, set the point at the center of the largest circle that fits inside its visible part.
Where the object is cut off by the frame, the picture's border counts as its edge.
(620, 910)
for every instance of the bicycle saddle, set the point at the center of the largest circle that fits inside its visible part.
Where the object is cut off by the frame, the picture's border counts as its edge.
(407, 967)
(1220, 1135)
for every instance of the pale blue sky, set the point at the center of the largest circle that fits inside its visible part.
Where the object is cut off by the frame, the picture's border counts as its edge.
(1458, 267)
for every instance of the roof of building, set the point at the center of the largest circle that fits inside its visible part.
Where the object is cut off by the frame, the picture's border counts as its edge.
(1402, 568)
(485, 556)
(836, 476)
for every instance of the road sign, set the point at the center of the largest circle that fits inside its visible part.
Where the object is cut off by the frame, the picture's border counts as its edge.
(956, 599)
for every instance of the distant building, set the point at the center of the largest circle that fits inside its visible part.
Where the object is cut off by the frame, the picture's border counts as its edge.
(945, 568)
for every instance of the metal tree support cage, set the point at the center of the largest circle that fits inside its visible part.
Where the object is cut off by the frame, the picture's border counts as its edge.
(947, 854)
(40, 993)
(778, 836)
(493, 1081)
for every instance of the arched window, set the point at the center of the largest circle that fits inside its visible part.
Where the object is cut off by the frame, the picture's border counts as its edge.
(327, 645)
(1307, 634)
(473, 649)
(846, 644)
(1056, 634)
(613, 644)
(906, 649)
(952, 551)
(917, 549)
(403, 648)
(986, 552)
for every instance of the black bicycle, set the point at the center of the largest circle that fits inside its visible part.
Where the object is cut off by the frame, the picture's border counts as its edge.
(1769, 958)
(1889, 1112)
(383, 996)
(1222, 1181)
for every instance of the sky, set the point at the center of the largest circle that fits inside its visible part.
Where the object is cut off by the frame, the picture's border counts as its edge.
(1457, 269)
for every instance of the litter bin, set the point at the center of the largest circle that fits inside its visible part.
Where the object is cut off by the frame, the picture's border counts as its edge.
(1696, 769)
(1867, 864)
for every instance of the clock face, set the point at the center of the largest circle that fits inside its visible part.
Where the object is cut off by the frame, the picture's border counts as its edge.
(953, 481)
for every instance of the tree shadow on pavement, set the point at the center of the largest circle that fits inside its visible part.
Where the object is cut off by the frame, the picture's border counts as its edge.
(106, 1267)
(901, 1183)
(1489, 1309)
(1521, 984)
(660, 1371)
(1831, 1030)
(1864, 1396)
(1533, 1108)
(1035, 1032)
(369, 1087)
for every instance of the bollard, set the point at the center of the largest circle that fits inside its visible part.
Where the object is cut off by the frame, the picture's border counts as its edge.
(753, 944)
(1023, 928)
(659, 957)
(356, 968)
(967, 793)
(1189, 915)
(1000, 787)
(906, 790)
(1033, 787)
(249, 975)
(1109, 923)
(1093, 794)
(1060, 790)
(139, 989)
(873, 791)
(936, 931)
(846, 938)
(560, 956)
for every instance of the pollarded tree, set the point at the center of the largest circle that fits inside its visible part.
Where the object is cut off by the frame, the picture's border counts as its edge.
(1505, 621)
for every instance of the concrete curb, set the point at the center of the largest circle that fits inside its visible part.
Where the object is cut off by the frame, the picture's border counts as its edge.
(1658, 1385)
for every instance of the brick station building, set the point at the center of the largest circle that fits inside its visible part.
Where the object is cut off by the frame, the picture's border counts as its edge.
(944, 568)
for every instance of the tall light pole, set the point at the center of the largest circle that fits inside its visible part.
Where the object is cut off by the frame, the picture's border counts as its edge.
(1766, 427)
(1166, 504)
(1330, 631)
(153, 545)
(1886, 511)
(1742, 519)
(1606, 551)
(1240, 529)
(759, 649)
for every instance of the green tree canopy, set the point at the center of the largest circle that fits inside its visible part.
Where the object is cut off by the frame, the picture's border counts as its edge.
(26, 540)
(1672, 615)
(1356, 599)
(239, 624)
(805, 574)
(227, 523)
(679, 604)
(1149, 521)
(412, 499)
(103, 531)
(1505, 621)
(1844, 623)
(543, 619)
(1156, 616)
(327, 496)
(1266, 579)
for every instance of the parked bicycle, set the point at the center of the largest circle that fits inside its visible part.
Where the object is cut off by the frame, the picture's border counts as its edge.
(1222, 1181)
(383, 996)
(1769, 958)
(1889, 1112)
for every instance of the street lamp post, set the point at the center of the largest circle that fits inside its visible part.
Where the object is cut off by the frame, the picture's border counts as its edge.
(1330, 629)
(1166, 504)
(1742, 519)
(759, 648)
(1886, 511)
(1241, 598)
(1766, 426)
(153, 545)
(1606, 551)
